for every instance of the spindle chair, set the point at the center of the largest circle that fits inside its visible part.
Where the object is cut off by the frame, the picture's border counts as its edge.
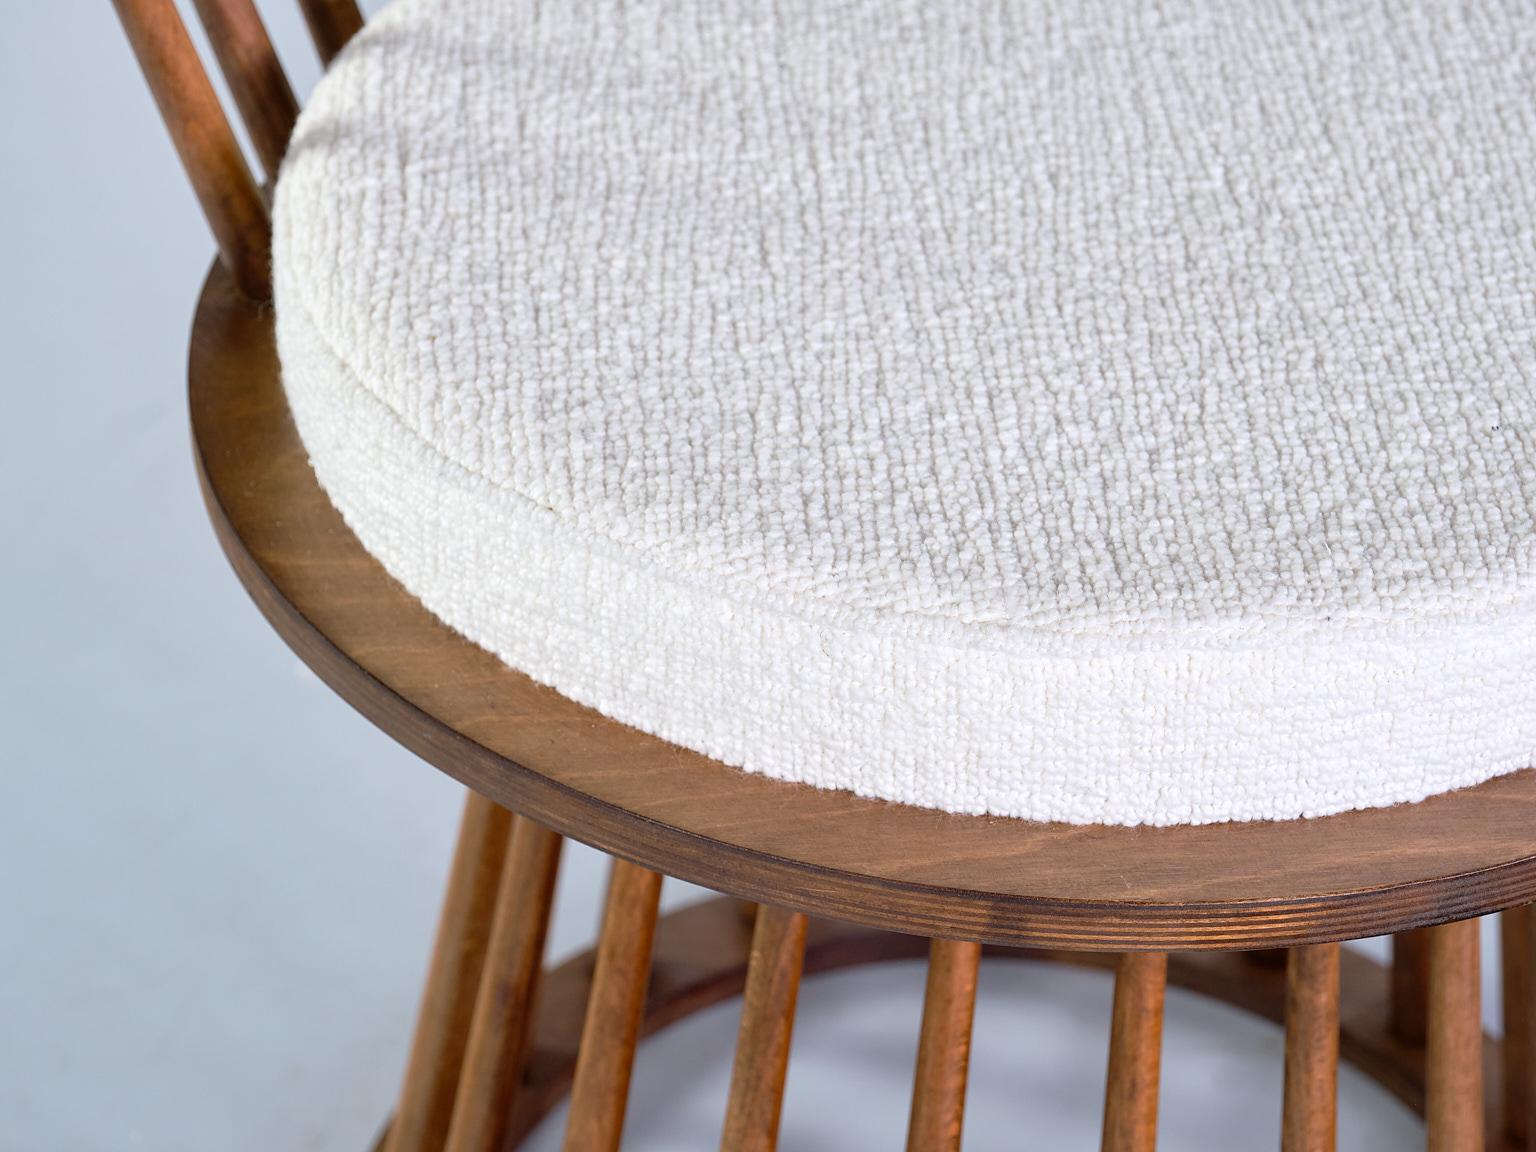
(1249, 914)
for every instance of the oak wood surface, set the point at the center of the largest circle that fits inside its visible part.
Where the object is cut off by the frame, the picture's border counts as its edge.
(1454, 1044)
(504, 1006)
(209, 152)
(254, 74)
(453, 980)
(944, 1047)
(1135, 1053)
(826, 853)
(1309, 1120)
(615, 1011)
(767, 1024)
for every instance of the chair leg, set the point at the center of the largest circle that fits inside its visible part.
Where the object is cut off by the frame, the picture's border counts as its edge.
(1517, 932)
(1454, 1061)
(615, 1007)
(1135, 1053)
(503, 1018)
(453, 979)
(944, 1050)
(1311, 1049)
(767, 1022)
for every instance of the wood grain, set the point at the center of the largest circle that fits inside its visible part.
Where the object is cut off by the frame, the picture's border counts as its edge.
(826, 853)
(1135, 1053)
(503, 1017)
(767, 1023)
(331, 24)
(254, 74)
(1454, 1110)
(944, 1047)
(1310, 1117)
(453, 980)
(209, 152)
(615, 1011)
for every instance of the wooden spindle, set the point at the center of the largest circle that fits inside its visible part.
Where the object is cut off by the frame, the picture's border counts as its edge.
(1135, 1053)
(453, 980)
(254, 74)
(331, 24)
(1311, 1049)
(600, 1091)
(767, 1022)
(944, 1050)
(1517, 935)
(1453, 1090)
(209, 152)
(1410, 985)
(514, 959)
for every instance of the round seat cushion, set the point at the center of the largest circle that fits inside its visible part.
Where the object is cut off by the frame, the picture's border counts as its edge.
(1094, 412)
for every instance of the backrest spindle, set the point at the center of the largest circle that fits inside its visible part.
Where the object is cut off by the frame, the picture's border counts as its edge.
(331, 24)
(204, 140)
(255, 75)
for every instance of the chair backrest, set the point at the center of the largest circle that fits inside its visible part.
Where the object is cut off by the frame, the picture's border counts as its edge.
(230, 196)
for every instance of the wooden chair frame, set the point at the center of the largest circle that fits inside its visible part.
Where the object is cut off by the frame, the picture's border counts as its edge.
(500, 1040)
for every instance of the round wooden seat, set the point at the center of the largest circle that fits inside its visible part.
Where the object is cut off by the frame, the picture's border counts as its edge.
(837, 880)
(999, 880)
(864, 422)
(1075, 891)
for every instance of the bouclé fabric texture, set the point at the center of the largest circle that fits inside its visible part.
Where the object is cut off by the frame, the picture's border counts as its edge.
(1063, 409)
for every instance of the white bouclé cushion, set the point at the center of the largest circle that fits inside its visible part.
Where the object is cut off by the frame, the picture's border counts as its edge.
(1087, 411)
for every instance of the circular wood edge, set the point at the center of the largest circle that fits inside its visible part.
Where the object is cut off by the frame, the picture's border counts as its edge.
(997, 898)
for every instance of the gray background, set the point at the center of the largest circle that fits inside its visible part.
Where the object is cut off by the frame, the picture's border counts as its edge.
(217, 883)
